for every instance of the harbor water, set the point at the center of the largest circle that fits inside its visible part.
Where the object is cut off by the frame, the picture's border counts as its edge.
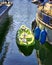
(22, 12)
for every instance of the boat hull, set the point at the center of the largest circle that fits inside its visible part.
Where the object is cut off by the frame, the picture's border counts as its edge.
(48, 30)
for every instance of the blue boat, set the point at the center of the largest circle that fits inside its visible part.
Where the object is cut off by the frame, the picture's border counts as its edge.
(4, 8)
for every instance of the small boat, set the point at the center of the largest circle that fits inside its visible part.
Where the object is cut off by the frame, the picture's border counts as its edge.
(25, 40)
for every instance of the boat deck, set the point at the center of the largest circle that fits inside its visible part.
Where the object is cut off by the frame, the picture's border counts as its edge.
(47, 9)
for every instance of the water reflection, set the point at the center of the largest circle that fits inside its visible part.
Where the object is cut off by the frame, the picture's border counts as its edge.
(44, 53)
(25, 51)
(3, 32)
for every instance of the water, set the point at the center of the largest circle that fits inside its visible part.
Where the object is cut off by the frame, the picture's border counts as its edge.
(23, 12)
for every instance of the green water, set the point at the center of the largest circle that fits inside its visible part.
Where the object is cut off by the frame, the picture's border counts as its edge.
(44, 53)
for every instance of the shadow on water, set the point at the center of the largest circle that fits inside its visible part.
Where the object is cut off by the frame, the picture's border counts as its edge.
(44, 53)
(3, 32)
(25, 51)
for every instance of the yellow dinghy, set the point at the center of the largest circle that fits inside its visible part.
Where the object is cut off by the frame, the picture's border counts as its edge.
(25, 40)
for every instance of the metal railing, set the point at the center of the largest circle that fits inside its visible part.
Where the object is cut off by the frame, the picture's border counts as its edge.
(38, 19)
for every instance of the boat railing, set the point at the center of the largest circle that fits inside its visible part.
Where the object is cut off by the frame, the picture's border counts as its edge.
(38, 19)
(45, 18)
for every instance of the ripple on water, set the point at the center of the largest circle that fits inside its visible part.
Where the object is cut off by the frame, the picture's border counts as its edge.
(23, 12)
